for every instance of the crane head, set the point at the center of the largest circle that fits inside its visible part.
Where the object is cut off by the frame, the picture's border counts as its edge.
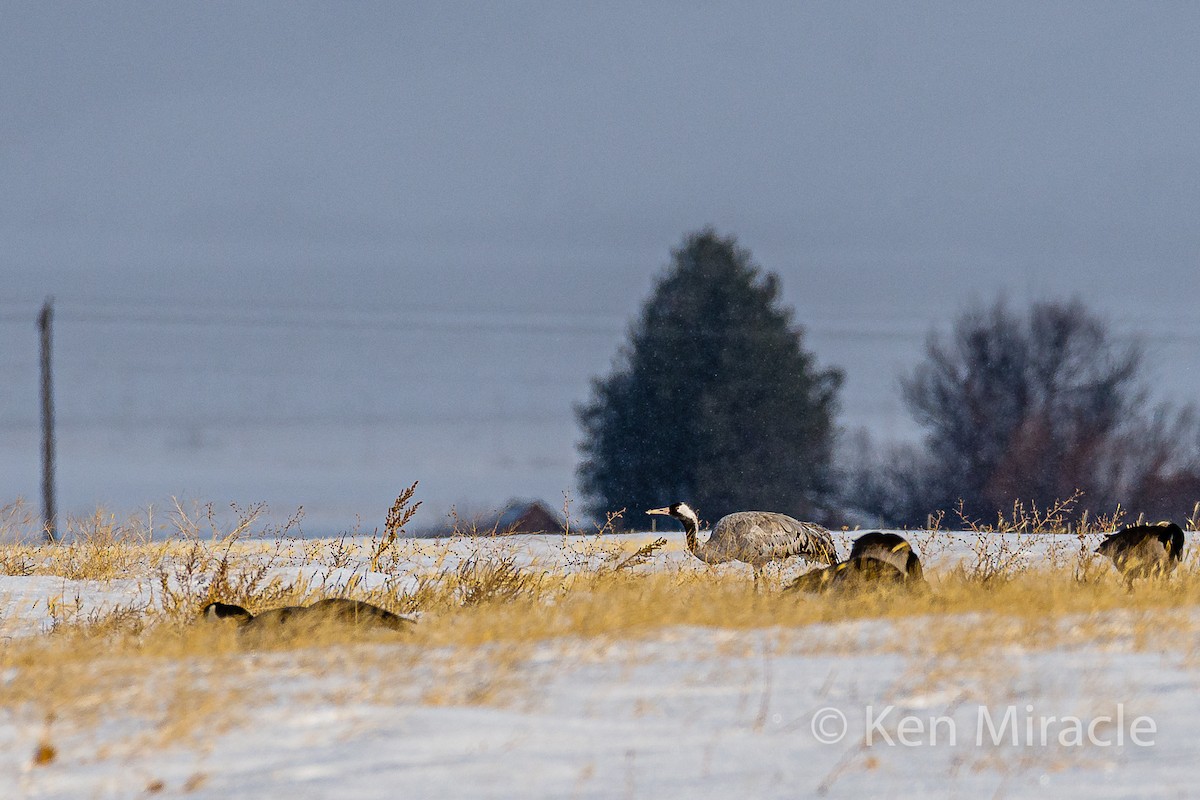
(678, 511)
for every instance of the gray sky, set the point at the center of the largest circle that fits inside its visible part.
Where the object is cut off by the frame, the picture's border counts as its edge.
(306, 253)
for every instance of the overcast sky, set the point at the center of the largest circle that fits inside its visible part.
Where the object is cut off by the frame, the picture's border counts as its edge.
(202, 187)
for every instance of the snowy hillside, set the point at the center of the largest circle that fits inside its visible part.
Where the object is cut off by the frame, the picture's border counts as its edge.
(942, 702)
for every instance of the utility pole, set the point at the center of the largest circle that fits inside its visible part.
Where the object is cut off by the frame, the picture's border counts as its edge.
(49, 519)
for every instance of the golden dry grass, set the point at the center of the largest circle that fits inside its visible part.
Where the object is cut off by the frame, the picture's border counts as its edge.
(485, 610)
(184, 682)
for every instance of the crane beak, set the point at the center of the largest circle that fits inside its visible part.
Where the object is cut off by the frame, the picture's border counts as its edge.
(899, 547)
(664, 511)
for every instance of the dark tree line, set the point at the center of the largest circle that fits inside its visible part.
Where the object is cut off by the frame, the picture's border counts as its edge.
(714, 400)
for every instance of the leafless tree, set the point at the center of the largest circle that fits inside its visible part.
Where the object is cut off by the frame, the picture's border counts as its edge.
(1033, 407)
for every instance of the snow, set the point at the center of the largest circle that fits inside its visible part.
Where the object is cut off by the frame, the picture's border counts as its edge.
(687, 712)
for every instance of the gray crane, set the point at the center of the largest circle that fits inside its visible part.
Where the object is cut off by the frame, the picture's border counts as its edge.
(753, 537)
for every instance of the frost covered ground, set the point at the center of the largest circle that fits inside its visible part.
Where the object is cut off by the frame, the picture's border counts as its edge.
(858, 708)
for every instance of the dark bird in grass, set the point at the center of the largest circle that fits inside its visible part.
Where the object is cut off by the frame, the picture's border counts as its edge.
(891, 548)
(220, 611)
(1144, 551)
(753, 537)
(298, 619)
(877, 560)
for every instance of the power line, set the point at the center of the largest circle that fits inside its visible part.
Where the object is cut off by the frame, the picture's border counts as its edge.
(400, 325)
(405, 419)
(466, 319)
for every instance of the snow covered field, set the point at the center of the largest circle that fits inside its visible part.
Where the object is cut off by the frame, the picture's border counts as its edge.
(932, 705)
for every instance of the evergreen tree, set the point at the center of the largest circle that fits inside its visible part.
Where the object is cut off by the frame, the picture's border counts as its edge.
(713, 400)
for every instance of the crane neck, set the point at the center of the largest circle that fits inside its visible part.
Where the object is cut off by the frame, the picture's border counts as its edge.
(691, 529)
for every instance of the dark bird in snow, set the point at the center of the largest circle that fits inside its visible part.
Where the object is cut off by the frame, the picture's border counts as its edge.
(1144, 551)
